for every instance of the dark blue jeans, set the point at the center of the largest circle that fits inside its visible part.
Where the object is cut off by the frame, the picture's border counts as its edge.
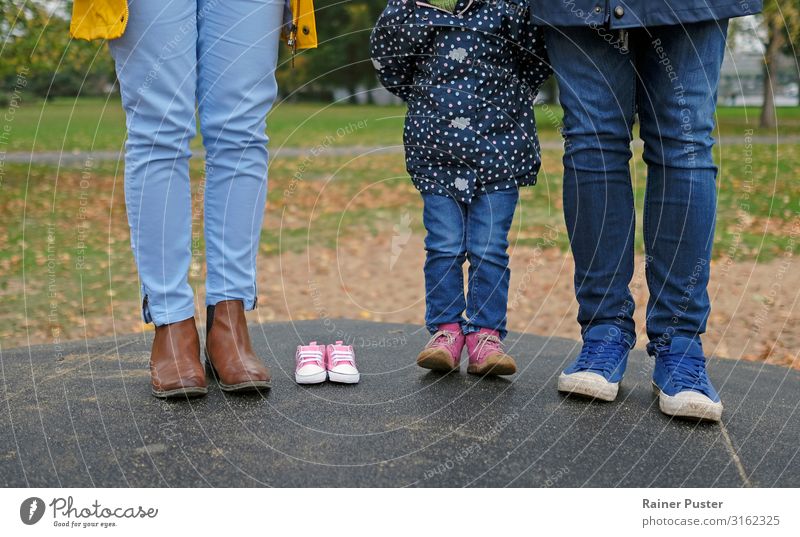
(668, 76)
(477, 232)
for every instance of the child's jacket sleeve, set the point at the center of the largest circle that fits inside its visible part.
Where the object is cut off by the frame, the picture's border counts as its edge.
(533, 61)
(394, 45)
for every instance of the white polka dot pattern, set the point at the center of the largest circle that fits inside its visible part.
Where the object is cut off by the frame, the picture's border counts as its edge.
(469, 79)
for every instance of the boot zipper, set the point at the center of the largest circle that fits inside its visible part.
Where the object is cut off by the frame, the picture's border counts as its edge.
(146, 310)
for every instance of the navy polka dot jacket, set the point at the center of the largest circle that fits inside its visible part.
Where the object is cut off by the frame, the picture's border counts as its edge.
(469, 79)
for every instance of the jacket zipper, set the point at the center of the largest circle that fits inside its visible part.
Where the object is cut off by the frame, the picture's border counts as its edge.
(292, 41)
(127, 14)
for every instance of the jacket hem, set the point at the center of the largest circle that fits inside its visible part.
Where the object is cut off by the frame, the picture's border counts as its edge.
(672, 17)
(522, 181)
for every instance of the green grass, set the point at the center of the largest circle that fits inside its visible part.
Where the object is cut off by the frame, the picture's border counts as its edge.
(99, 124)
(734, 121)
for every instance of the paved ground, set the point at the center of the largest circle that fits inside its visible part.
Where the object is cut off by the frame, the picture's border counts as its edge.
(82, 416)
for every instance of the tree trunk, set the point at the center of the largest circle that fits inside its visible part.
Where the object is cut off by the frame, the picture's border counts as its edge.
(776, 38)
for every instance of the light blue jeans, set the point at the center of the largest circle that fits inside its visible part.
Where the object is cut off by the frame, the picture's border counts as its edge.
(219, 56)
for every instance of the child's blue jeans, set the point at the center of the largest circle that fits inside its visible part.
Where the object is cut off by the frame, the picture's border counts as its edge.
(476, 232)
(220, 56)
(669, 77)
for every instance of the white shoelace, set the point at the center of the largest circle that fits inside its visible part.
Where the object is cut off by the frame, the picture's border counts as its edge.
(483, 339)
(310, 356)
(342, 356)
(450, 338)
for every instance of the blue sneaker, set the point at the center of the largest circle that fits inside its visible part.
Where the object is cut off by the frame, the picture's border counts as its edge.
(680, 377)
(598, 369)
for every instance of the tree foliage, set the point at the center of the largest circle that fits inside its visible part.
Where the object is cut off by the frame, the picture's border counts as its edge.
(781, 20)
(342, 59)
(36, 45)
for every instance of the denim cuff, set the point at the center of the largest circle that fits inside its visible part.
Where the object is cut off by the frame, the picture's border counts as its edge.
(249, 303)
(170, 316)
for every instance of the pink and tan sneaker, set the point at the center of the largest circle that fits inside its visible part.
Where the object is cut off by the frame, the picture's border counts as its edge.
(486, 355)
(340, 361)
(310, 364)
(443, 351)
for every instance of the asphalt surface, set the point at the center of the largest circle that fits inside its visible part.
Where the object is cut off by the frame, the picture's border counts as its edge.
(81, 415)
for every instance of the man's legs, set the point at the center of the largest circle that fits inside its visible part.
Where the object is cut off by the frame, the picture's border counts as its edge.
(679, 68)
(597, 89)
(597, 82)
(677, 97)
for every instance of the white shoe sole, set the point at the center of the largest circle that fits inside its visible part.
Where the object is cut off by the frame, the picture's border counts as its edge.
(588, 384)
(689, 405)
(314, 378)
(344, 378)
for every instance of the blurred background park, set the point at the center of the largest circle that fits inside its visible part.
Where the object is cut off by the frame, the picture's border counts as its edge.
(342, 234)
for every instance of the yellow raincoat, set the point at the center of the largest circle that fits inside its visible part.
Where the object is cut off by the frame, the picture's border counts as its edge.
(106, 19)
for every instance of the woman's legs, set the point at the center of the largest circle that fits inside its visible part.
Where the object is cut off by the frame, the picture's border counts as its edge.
(679, 67)
(155, 63)
(224, 55)
(445, 220)
(597, 84)
(489, 218)
(237, 54)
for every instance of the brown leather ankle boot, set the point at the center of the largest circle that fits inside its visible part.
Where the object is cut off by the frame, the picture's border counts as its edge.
(175, 366)
(229, 351)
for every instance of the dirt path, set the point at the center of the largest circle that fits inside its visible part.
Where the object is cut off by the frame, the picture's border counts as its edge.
(755, 315)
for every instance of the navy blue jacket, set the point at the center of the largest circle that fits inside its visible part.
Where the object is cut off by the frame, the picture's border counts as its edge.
(469, 84)
(617, 14)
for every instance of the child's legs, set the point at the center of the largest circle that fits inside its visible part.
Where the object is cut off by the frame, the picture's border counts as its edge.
(489, 219)
(237, 54)
(155, 64)
(679, 68)
(445, 221)
(597, 83)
